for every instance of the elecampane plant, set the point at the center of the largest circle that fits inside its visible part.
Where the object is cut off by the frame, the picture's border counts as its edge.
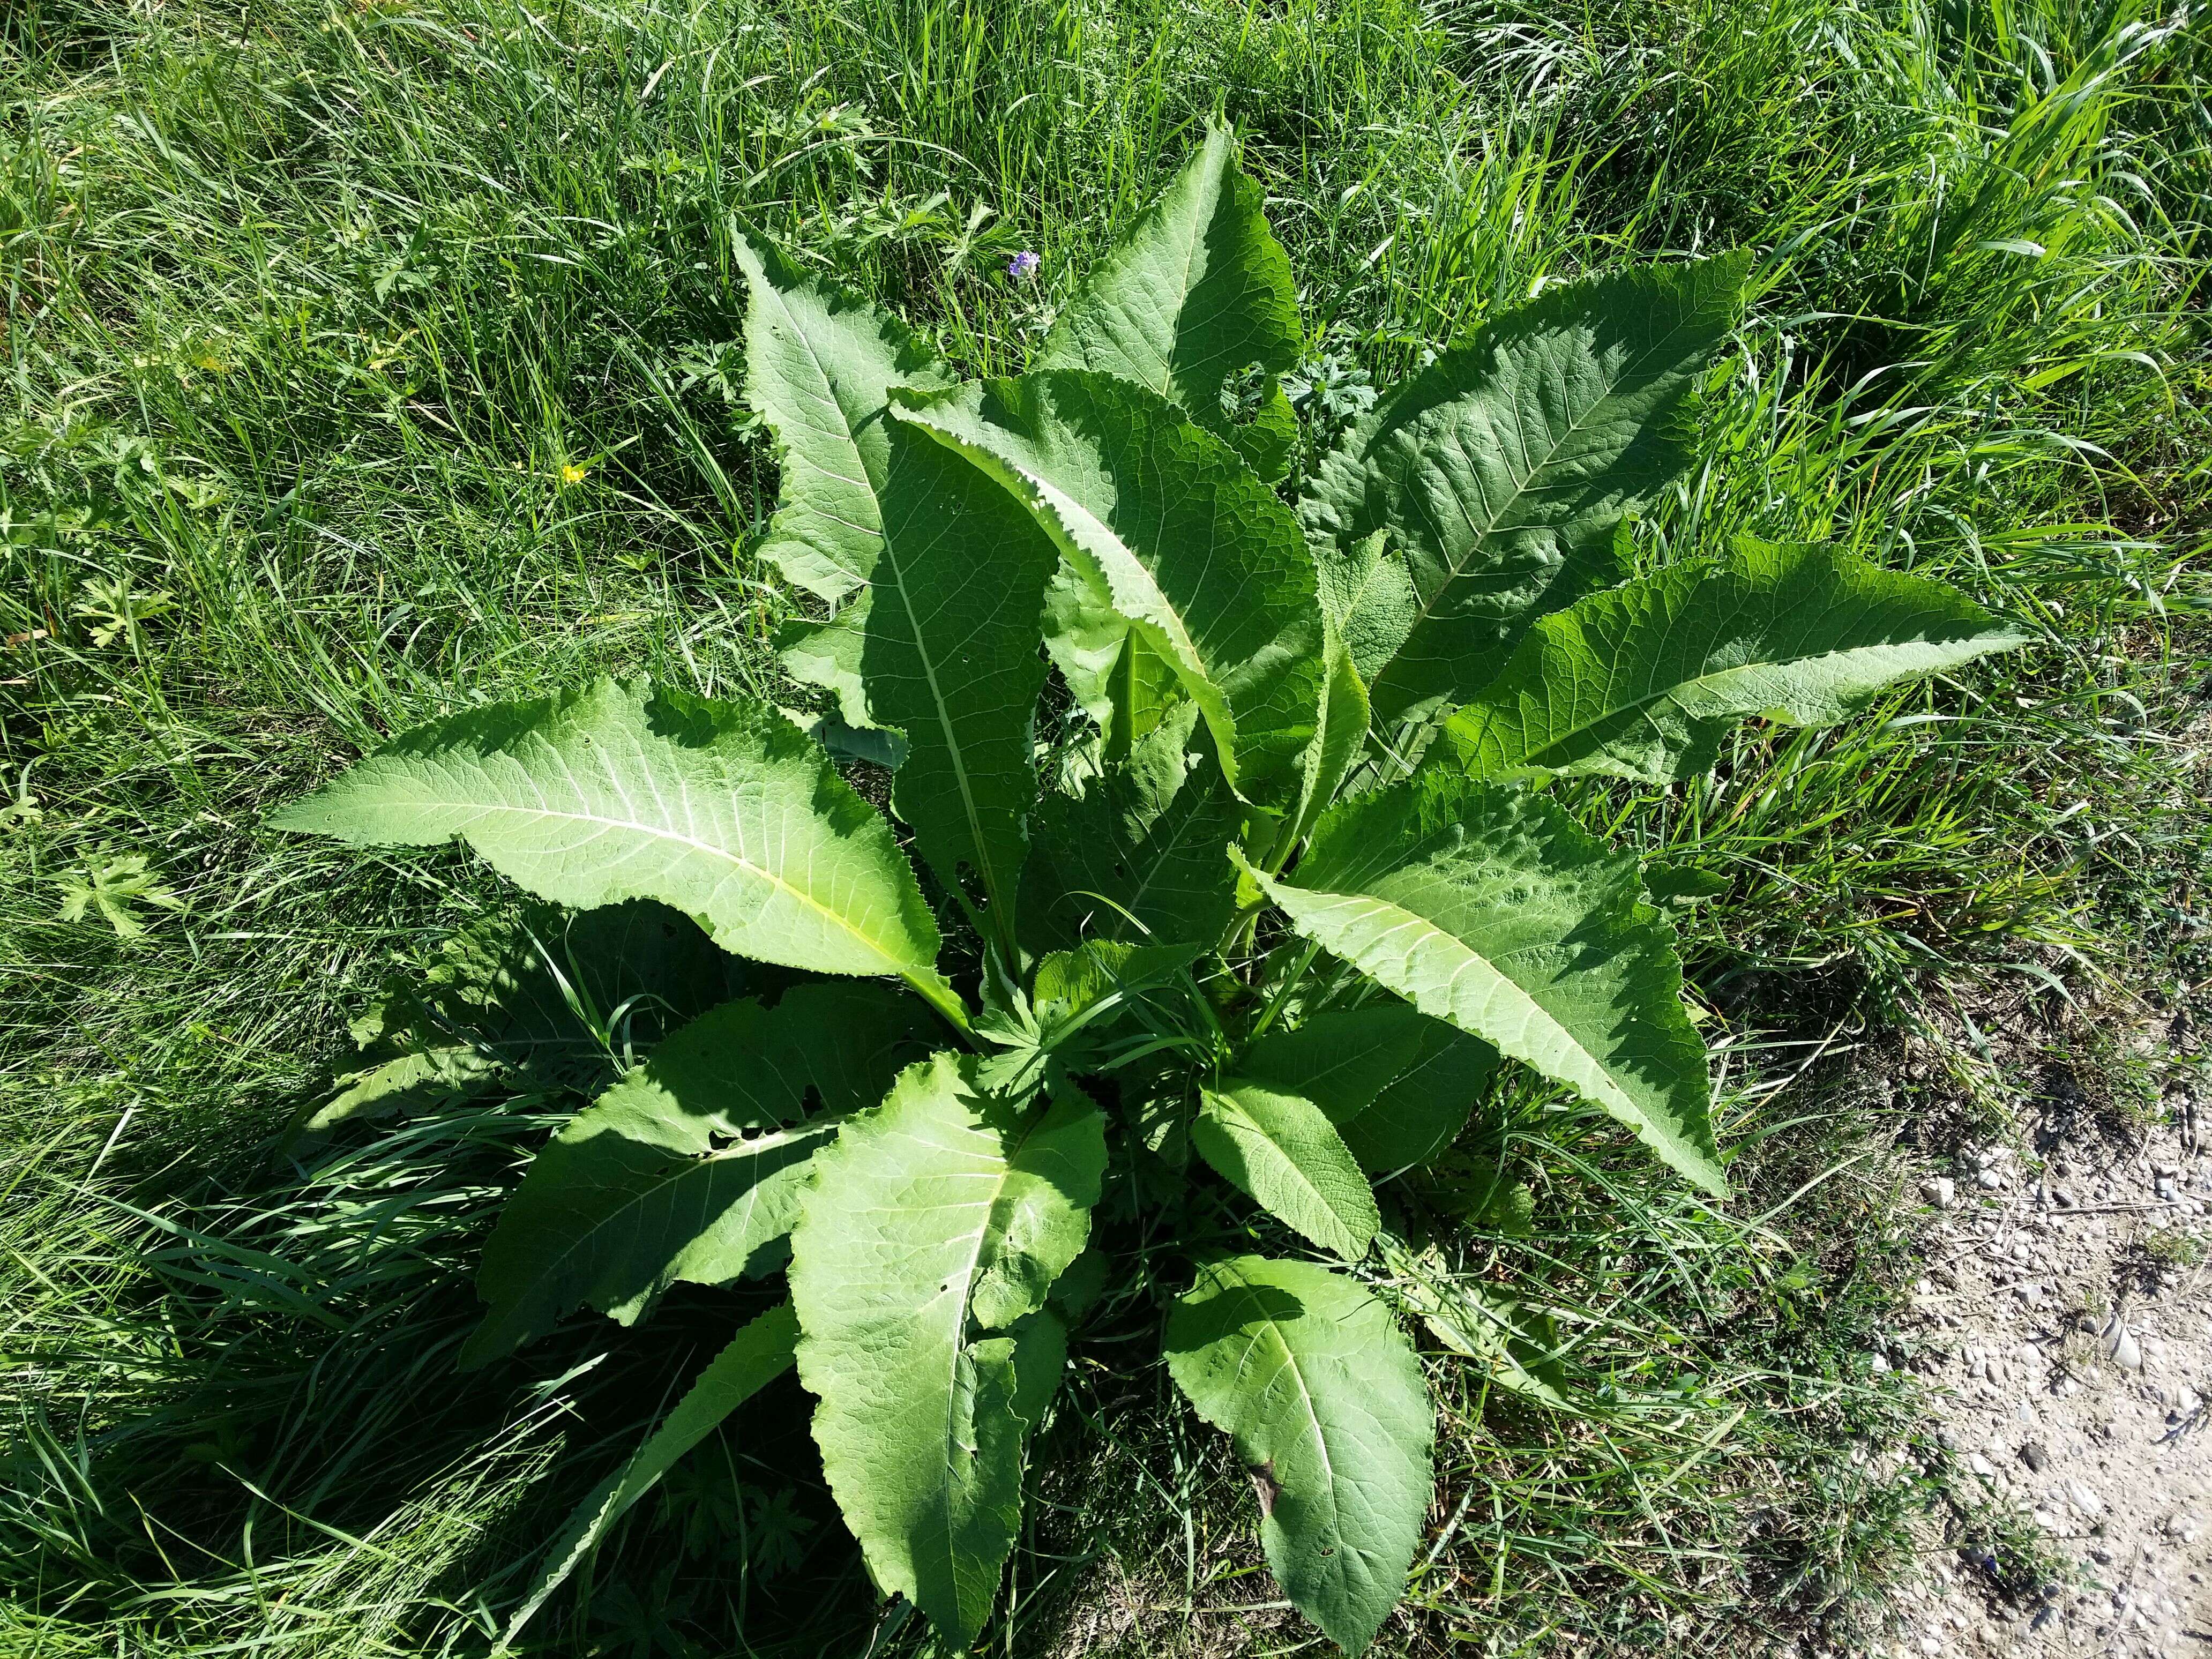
(1260, 910)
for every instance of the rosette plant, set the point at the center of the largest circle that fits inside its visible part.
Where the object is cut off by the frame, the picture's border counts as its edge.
(1218, 866)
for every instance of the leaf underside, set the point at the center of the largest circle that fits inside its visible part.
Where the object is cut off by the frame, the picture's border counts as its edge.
(1490, 908)
(617, 790)
(943, 1215)
(1323, 1395)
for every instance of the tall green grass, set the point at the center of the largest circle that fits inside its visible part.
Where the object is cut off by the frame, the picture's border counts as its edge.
(367, 359)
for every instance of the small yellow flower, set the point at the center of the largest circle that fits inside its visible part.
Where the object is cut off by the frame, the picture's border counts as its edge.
(572, 474)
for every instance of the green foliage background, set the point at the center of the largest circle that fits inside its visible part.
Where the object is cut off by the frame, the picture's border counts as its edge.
(369, 361)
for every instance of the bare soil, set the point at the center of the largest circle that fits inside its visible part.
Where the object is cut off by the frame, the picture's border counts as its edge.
(2065, 1321)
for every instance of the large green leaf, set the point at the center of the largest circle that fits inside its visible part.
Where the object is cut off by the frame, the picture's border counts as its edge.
(941, 645)
(1165, 528)
(819, 367)
(948, 1205)
(759, 1353)
(1143, 854)
(1397, 1084)
(668, 1177)
(1490, 908)
(1194, 292)
(1499, 472)
(1322, 1393)
(945, 576)
(1281, 1151)
(1643, 682)
(618, 790)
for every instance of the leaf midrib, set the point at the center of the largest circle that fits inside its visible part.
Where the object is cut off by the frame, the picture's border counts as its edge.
(1290, 1362)
(1606, 1091)
(1675, 691)
(662, 833)
(1008, 1157)
(943, 712)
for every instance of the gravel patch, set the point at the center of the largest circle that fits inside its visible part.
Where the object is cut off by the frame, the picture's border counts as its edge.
(2064, 1321)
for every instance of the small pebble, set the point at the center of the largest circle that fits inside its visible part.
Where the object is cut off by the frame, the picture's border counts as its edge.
(2032, 1454)
(2121, 1346)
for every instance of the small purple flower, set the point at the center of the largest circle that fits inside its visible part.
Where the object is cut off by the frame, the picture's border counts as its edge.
(1023, 265)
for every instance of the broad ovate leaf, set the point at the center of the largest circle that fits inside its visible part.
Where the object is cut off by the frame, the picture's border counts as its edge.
(1280, 1150)
(1490, 908)
(1643, 682)
(760, 1352)
(946, 1210)
(819, 367)
(618, 790)
(1193, 294)
(1397, 1084)
(1321, 1393)
(691, 1167)
(1143, 853)
(1163, 526)
(1499, 474)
